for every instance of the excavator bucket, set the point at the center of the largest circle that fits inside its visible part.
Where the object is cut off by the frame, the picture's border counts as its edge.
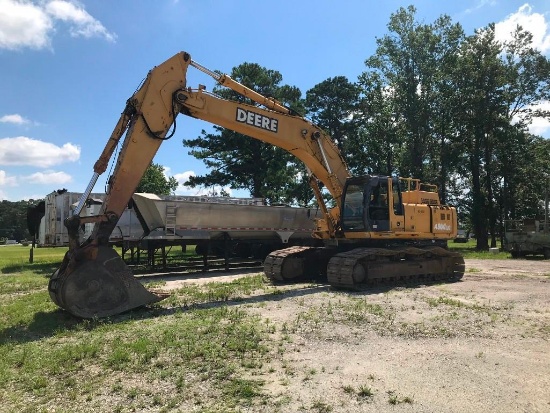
(99, 287)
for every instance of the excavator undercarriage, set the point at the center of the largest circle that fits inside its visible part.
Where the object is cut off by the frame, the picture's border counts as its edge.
(360, 267)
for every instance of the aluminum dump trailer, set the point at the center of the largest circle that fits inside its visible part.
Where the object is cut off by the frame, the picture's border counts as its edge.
(186, 219)
(216, 220)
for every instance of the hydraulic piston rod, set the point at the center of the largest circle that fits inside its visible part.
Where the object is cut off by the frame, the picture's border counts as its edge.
(86, 194)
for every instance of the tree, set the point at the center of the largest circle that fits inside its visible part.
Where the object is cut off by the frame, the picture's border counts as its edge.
(240, 162)
(376, 142)
(454, 109)
(331, 105)
(480, 85)
(409, 101)
(13, 219)
(497, 83)
(401, 61)
(527, 75)
(154, 181)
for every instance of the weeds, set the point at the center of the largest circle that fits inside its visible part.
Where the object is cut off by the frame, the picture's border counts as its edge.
(321, 407)
(365, 392)
(394, 399)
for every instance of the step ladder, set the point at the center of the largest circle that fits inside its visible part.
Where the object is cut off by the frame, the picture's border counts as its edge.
(170, 223)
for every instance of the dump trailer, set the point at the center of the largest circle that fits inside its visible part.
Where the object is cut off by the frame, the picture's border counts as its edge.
(527, 237)
(247, 225)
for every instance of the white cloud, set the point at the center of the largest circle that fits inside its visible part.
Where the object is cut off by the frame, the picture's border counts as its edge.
(33, 196)
(24, 24)
(167, 171)
(182, 189)
(15, 118)
(26, 151)
(184, 176)
(535, 23)
(49, 178)
(82, 23)
(6, 180)
(480, 4)
(539, 126)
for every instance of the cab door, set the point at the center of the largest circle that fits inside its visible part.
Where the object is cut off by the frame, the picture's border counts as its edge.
(377, 203)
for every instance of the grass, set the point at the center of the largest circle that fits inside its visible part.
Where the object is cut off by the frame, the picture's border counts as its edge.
(468, 250)
(365, 392)
(394, 399)
(321, 407)
(164, 358)
(15, 259)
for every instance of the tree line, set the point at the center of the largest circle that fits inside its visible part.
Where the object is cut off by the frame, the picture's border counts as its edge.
(13, 220)
(433, 103)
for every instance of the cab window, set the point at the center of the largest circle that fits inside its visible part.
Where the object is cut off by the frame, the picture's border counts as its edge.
(352, 217)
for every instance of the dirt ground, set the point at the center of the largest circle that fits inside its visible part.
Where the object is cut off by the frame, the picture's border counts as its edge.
(478, 345)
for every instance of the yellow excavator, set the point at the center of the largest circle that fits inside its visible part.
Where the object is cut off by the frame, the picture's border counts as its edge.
(382, 228)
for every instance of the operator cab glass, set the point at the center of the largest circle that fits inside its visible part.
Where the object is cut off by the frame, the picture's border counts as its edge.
(353, 216)
(367, 202)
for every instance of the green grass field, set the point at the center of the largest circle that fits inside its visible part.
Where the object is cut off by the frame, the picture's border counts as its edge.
(163, 358)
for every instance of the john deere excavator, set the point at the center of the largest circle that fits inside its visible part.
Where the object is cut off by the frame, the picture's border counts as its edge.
(382, 227)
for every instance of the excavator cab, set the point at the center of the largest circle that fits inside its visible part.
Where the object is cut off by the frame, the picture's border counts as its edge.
(367, 203)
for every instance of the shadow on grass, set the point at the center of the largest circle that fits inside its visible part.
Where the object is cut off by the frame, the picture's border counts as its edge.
(38, 268)
(43, 325)
(48, 324)
(314, 287)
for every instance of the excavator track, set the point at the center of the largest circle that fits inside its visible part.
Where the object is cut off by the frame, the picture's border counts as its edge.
(371, 266)
(287, 264)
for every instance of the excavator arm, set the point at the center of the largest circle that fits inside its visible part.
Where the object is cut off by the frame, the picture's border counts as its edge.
(93, 281)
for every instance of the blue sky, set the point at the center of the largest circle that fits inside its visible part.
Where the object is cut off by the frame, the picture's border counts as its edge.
(67, 67)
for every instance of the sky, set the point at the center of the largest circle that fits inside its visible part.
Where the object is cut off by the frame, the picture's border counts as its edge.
(67, 67)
